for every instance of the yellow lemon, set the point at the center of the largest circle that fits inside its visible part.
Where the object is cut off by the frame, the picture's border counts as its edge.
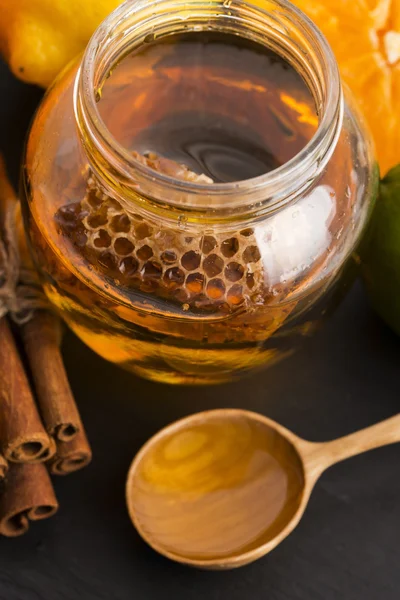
(39, 37)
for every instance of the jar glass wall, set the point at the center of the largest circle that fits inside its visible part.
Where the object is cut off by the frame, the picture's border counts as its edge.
(178, 278)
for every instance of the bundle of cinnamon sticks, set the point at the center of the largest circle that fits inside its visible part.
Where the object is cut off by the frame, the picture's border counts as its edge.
(41, 432)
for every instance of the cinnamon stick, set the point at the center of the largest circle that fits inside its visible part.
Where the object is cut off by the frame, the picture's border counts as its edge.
(28, 496)
(23, 437)
(71, 456)
(42, 337)
(22, 433)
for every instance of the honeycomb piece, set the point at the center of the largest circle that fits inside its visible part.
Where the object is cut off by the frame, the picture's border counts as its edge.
(168, 257)
(174, 278)
(102, 239)
(230, 247)
(144, 252)
(195, 282)
(251, 254)
(213, 265)
(215, 271)
(216, 289)
(120, 224)
(234, 271)
(208, 244)
(123, 246)
(129, 266)
(170, 167)
(191, 260)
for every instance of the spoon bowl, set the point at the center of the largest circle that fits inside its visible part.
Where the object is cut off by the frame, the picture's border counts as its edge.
(220, 489)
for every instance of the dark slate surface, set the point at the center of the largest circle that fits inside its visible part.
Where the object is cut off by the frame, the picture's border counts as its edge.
(345, 548)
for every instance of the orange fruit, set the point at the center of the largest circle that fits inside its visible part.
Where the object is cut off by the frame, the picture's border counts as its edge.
(365, 37)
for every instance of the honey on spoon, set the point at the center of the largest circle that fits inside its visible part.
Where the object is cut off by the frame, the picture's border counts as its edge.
(222, 488)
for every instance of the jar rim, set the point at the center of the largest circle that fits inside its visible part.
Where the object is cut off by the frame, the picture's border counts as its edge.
(270, 189)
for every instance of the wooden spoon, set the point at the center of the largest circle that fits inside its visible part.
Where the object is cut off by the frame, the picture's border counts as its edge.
(220, 489)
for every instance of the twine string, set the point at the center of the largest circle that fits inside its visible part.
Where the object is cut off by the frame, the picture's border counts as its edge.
(20, 292)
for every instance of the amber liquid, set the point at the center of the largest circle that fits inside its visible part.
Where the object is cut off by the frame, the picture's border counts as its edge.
(215, 489)
(217, 103)
(177, 306)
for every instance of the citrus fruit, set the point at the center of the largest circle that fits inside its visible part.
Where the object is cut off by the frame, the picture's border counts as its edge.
(39, 37)
(381, 260)
(365, 37)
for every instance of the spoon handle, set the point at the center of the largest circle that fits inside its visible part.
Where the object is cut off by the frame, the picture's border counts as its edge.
(319, 457)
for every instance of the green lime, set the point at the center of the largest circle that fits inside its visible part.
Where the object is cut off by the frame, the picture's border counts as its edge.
(381, 260)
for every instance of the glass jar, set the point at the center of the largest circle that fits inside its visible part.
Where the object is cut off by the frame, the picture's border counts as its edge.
(187, 281)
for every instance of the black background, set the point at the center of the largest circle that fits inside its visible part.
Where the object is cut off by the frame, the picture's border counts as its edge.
(346, 547)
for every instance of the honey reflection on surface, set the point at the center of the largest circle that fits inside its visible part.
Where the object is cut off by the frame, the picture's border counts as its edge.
(215, 489)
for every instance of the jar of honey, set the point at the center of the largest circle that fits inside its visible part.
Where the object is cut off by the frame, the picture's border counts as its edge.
(195, 186)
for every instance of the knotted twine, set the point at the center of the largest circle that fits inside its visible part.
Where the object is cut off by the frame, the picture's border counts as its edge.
(20, 292)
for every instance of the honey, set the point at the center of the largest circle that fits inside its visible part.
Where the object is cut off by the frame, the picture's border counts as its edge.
(215, 489)
(225, 107)
(163, 265)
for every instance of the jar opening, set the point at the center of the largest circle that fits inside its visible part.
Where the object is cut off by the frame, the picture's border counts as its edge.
(276, 25)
